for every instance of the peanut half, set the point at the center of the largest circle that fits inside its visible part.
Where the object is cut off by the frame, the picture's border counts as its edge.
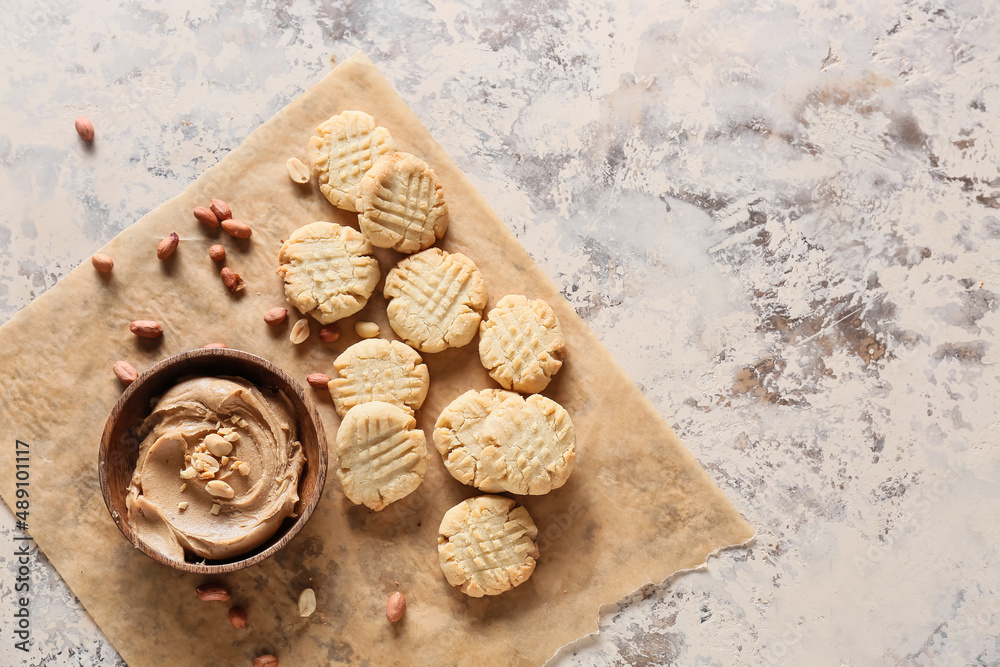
(219, 488)
(300, 331)
(85, 128)
(204, 463)
(207, 216)
(102, 263)
(297, 170)
(217, 445)
(396, 607)
(125, 372)
(265, 661)
(212, 592)
(237, 228)
(146, 328)
(238, 617)
(221, 209)
(366, 329)
(167, 246)
(307, 602)
(318, 380)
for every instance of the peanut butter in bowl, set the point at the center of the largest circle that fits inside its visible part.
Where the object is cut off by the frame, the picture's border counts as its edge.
(218, 469)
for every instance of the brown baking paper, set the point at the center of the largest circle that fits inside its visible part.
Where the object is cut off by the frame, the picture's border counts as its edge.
(637, 508)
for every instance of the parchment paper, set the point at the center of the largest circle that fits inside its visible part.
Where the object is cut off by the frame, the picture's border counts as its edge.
(637, 508)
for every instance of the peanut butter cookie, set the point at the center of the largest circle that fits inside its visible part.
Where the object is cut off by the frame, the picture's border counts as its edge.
(521, 343)
(328, 269)
(435, 300)
(344, 149)
(383, 456)
(401, 205)
(487, 545)
(379, 370)
(458, 436)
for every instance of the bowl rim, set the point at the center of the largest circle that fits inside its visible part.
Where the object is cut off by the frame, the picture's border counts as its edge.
(207, 354)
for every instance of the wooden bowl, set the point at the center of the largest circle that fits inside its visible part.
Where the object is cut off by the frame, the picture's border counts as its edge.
(120, 445)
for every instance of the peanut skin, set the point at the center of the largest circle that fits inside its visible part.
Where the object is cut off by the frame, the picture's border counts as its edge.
(275, 316)
(125, 372)
(318, 380)
(146, 328)
(212, 592)
(396, 607)
(238, 617)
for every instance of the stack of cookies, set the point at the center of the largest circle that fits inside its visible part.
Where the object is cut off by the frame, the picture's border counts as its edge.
(495, 440)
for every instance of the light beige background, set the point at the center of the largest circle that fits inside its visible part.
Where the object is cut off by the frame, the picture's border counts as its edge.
(779, 216)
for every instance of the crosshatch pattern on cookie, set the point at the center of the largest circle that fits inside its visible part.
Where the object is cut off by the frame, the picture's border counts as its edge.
(486, 545)
(328, 270)
(521, 343)
(498, 441)
(401, 204)
(530, 444)
(458, 436)
(346, 147)
(436, 300)
(379, 370)
(382, 455)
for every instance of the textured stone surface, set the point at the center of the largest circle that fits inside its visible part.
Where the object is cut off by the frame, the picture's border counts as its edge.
(781, 217)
